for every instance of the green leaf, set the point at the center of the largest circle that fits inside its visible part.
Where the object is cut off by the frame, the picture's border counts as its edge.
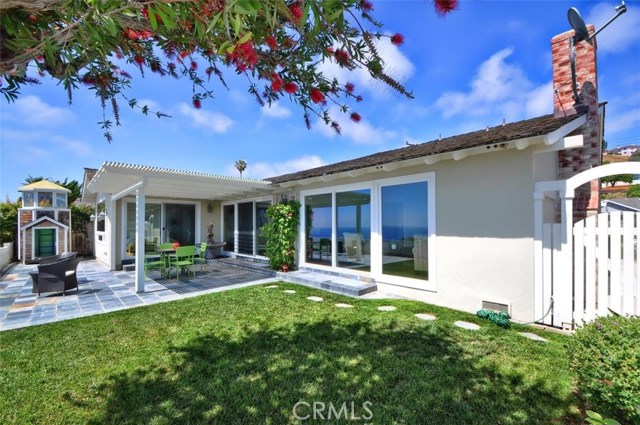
(245, 38)
(152, 18)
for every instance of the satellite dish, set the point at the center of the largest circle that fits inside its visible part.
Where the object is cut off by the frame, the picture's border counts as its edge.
(578, 25)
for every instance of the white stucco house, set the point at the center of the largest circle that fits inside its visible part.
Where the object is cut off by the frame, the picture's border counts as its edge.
(452, 222)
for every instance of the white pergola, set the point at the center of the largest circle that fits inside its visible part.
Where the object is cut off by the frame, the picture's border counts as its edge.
(115, 180)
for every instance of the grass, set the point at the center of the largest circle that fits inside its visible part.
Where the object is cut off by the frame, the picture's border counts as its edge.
(247, 356)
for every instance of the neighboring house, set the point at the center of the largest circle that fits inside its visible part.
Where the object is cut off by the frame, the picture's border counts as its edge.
(621, 204)
(450, 222)
(44, 221)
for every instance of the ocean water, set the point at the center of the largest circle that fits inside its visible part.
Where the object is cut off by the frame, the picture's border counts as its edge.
(388, 232)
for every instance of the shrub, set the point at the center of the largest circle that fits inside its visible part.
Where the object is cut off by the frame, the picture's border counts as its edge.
(281, 232)
(8, 220)
(605, 355)
(633, 191)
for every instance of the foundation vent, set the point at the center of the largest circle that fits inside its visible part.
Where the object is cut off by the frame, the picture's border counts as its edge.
(495, 306)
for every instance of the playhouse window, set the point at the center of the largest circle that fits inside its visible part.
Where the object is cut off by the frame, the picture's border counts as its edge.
(61, 200)
(27, 199)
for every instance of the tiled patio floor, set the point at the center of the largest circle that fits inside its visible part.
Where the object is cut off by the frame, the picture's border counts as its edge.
(101, 291)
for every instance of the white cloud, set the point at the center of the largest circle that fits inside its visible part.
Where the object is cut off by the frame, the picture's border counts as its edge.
(77, 147)
(540, 100)
(31, 110)
(621, 34)
(361, 133)
(152, 104)
(498, 90)
(214, 121)
(623, 121)
(261, 170)
(275, 111)
(396, 65)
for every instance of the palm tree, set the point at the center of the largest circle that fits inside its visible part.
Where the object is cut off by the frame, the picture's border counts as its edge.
(241, 165)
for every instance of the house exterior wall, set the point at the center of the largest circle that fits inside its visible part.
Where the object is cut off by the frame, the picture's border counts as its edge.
(484, 230)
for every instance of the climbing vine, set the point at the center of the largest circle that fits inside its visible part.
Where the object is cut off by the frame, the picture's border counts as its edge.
(281, 232)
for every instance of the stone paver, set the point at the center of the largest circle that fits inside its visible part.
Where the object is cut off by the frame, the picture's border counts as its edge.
(533, 337)
(467, 325)
(289, 291)
(425, 316)
(270, 286)
(316, 299)
(99, 291)
(387, 308)
(343, 305)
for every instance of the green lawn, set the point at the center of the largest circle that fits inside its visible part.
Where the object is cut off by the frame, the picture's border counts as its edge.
(247, 356)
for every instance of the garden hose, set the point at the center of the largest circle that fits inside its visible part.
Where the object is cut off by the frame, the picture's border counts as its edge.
(500, 318)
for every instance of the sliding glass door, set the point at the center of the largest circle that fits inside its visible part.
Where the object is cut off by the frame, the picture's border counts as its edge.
(405, 229)
(241, 224)
(180, 223)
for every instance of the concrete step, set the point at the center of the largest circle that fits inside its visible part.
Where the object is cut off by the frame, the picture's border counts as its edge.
(338, 284)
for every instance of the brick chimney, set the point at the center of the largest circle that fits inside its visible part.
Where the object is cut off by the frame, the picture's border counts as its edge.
(574, 161)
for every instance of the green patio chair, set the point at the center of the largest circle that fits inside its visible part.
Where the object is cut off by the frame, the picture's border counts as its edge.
(183, 260)
(154, 262)
(165, 245)
(199, 257)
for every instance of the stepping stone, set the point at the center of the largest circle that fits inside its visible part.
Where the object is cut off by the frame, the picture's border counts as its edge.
(467, 325)
(343, 305)
(316, 299)
(289, 291)
(533, 337)
(424, 316)
(387, 308)
(270, 286)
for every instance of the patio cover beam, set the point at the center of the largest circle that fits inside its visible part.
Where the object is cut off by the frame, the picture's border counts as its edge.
(140, 245)
(128, 190)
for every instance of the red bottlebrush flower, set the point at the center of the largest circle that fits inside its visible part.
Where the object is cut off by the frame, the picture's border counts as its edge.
(194, 65)
(366, 5)
(355, 117)
(172, 66)
(40, 58)
(184, 54)
(139, 60)
(276, 82)
(145, 12)
(290, 87)
(342, 56)
(32, 18)
(358, 98)
(197, 103)
(445, 6)
(296, 11)
(271, 42)
(118, 55)
(209, 70)
(330, 49)
(349, 87)
(316, 96)
(397, 39)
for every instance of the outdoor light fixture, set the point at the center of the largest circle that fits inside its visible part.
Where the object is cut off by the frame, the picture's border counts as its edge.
(92, 217)
(102, 215)
(582, 34)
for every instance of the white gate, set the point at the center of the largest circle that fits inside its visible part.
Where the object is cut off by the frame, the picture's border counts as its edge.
(588, 269)
(605, 268)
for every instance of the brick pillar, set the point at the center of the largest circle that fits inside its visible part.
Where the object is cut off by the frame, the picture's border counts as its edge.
(575, 161)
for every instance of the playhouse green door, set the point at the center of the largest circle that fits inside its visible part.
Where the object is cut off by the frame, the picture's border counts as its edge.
(44, 243)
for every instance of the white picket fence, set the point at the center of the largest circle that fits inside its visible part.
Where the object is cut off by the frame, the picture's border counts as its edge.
(599, 275)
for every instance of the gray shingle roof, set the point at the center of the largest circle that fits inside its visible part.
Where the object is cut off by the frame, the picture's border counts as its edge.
(499, 134)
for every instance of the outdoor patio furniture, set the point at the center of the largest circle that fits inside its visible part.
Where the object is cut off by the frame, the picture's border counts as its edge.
(353, 245)
(199, 257)
(154, 262)
(182, 261)
(57, 257)
(56, 277)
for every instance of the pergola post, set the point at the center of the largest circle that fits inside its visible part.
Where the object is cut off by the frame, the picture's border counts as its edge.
(140, 245)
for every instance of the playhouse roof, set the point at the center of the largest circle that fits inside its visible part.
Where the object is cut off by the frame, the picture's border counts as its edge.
(43, 185)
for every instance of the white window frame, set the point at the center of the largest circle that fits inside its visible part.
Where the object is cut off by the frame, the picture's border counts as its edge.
(254, 200)
(375, 186)
(162, 202)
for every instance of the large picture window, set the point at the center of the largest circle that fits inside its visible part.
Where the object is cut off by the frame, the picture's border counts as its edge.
(353, 223)
(318, 228)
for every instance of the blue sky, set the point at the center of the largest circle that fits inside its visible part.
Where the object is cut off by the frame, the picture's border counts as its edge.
(488, 61)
